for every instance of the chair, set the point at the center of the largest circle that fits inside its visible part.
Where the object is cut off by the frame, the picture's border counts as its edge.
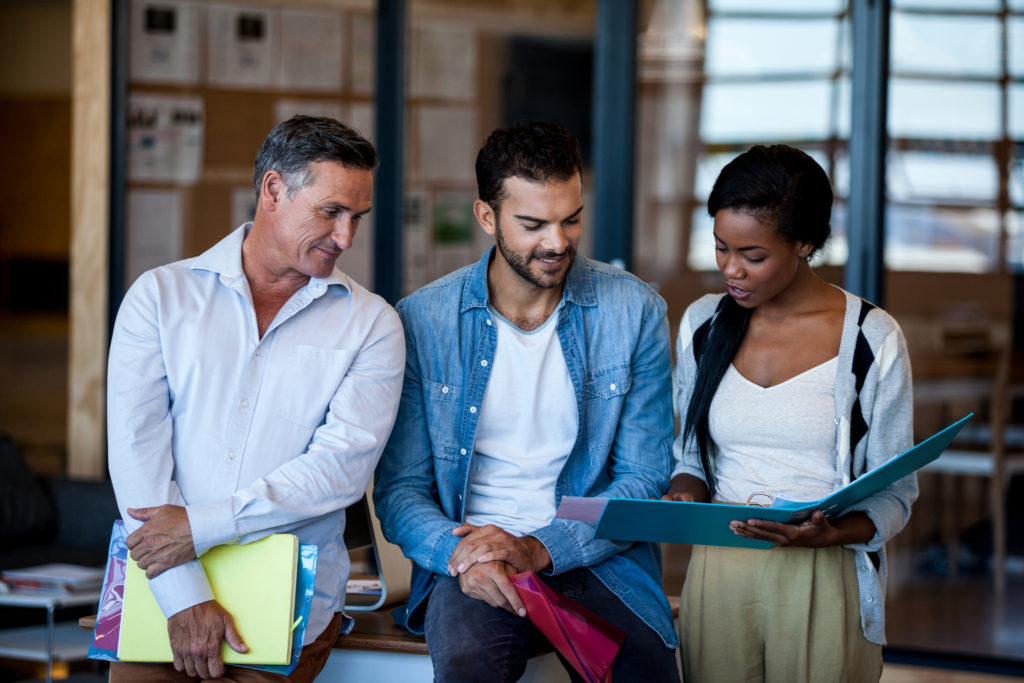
(962, 366)
(362, 531)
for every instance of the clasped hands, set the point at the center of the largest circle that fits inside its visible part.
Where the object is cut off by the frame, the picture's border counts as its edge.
(164, 541)
(487, 556)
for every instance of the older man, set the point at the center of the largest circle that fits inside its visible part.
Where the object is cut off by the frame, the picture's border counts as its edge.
(250, 391)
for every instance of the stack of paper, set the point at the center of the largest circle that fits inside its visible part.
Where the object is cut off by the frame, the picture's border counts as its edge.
(55, 578)
(255, 583)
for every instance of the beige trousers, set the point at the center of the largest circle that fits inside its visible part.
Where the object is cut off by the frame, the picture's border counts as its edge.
(782, 616)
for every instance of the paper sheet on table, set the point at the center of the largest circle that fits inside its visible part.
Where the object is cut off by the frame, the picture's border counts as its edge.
(588, 642)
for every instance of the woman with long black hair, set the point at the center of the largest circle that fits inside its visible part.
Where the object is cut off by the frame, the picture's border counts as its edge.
(786, 386)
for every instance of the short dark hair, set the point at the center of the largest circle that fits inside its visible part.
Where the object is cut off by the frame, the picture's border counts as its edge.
(293, 145)
(533, 150)
(780, 186)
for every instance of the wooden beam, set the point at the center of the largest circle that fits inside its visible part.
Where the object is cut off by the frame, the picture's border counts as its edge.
(90, 174)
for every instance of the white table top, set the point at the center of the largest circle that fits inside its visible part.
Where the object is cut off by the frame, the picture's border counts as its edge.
(18, 598)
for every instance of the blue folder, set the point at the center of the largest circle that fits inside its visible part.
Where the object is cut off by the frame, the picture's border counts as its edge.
(630, 519)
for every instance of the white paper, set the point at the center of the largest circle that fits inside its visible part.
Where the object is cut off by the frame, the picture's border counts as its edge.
(357, 260)
(364, 53)
(443, 61)
(285, 109)
(446, 143)
(454, 229)
(165, 138)
(416, 236)
(361, 117)
(240, 46)
(164, 42)
(243, 205)
(154, 227)
(311, 50)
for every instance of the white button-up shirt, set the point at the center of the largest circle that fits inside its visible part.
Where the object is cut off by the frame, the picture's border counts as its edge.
(253, 436)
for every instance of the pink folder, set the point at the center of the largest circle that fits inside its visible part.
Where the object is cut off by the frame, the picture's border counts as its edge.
(587, 641)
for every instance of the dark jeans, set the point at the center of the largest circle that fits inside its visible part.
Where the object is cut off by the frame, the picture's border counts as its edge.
(471, 641)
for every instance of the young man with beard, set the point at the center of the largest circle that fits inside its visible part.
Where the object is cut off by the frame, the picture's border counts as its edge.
(533, 374)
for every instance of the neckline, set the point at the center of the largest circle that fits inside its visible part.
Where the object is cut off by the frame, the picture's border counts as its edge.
(819, 366)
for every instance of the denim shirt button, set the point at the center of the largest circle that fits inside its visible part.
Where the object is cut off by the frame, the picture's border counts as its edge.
(483, 363)
(488, 322)
(612, 387)
(472, 409)
(462, 451)
(445, 390)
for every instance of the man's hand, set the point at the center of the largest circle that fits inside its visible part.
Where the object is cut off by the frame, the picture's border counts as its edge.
(196, 634)
(163, 541)
(489, 582)
(490, 544)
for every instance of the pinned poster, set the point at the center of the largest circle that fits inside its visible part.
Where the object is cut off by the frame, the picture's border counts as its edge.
(311, 50)
(241, 46)
(164, 42)
(165, 138)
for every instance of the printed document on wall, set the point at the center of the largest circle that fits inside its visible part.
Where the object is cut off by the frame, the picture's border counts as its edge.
(286, 108)
(311, 51)
(164, 42)
(154, 230)
(165, 138)
(241, 47)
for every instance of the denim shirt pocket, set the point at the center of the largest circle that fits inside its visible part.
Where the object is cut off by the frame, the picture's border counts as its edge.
(443, 405)
(604, 395)
(312, 376)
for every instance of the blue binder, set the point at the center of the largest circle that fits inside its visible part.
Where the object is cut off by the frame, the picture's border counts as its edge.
(629, 519)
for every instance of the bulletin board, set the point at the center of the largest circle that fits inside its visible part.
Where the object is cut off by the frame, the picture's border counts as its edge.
(206, 83)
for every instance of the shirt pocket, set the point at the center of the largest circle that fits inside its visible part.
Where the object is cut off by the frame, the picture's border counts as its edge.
(604, 395)
(311, 377)
(443, 404)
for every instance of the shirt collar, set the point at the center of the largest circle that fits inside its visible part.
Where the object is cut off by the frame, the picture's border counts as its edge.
(225, 259)
(579, 287)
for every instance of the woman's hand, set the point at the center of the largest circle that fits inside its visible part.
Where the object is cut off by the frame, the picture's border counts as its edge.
(688, 489)
(816, 532)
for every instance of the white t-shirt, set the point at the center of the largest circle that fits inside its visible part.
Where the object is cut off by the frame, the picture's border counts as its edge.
(780, 440)
(527, 428)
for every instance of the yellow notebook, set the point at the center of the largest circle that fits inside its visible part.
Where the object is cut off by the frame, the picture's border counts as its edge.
(254, 582)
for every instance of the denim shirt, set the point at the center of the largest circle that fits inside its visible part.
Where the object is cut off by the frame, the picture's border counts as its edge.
(614, 335)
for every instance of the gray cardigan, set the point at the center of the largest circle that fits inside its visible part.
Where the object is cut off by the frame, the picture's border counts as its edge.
(874, 422)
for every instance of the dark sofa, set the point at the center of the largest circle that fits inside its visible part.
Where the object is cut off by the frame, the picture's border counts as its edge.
(49, 519)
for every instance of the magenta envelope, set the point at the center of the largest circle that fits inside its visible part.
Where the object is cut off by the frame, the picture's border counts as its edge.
(586, 640)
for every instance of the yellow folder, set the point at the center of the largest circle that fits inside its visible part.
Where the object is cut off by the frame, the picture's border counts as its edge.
(254, 582)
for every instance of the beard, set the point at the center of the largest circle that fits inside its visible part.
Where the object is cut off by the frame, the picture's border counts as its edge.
(521, 264)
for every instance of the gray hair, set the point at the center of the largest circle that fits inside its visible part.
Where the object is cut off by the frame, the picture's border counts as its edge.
(294, 145)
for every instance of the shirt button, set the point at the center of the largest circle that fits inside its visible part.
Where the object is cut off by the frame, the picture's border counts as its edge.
(231, 455)
(257, 352)
(612, 387)
(488, 321)
(245, 403)
(869, 599)
(462, 451)
(483, 363)
(445, 390)
(472, 409)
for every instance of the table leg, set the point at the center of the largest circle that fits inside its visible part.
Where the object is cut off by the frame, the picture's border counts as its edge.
(49, 643)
